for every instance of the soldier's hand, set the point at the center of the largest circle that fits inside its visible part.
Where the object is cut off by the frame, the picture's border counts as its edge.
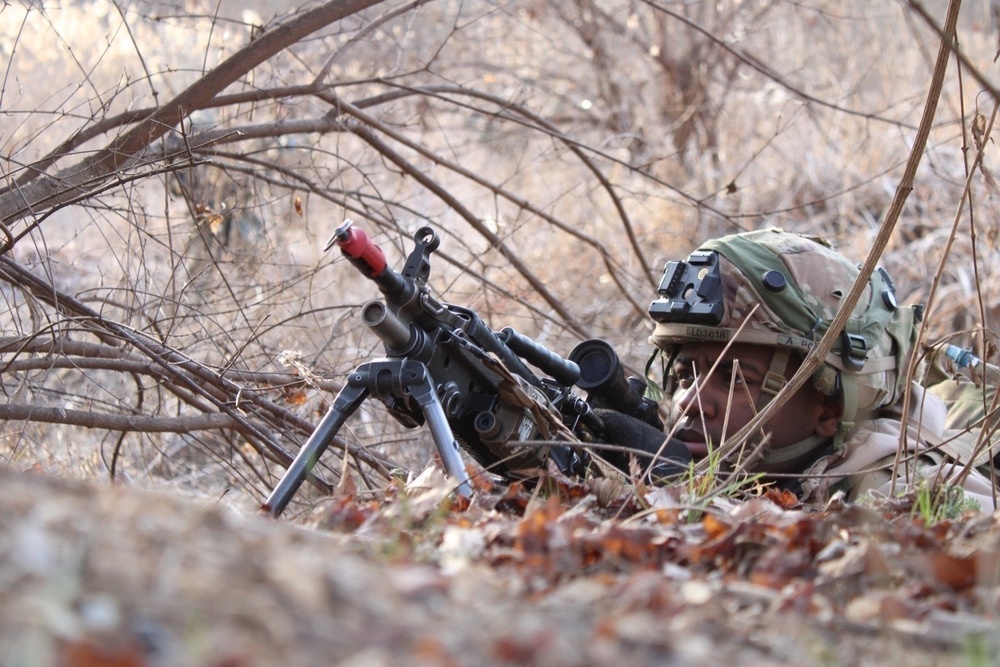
(644, 442)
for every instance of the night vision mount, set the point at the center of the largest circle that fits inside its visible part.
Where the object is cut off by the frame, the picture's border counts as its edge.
(691, 291)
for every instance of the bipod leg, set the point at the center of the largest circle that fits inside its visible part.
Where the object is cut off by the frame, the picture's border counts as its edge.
(418, 380)
(348, 400)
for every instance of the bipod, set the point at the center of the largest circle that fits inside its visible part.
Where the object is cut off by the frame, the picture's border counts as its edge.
(383, 379)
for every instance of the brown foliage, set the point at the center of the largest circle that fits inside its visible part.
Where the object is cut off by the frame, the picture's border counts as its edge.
(137, 579)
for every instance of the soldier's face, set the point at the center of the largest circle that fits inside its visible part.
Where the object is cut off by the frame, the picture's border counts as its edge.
(708, 408)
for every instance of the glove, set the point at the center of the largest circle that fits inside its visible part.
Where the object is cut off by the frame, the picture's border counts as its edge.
(621, 429)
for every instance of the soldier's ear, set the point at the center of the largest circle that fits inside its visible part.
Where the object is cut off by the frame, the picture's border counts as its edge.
(831, 412)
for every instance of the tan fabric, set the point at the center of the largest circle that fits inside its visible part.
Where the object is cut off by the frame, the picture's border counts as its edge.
(968, 394)
(866, 461)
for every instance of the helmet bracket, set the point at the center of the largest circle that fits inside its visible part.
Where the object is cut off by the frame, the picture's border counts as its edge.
(691, 291)
(853, 351)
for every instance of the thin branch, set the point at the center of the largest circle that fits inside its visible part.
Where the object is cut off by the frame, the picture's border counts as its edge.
(114, 422)
(127, 148)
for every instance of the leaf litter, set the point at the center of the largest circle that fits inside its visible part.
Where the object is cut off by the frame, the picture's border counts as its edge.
(554, 573)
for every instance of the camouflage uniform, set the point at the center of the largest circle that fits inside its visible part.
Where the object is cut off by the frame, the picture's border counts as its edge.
(865, 461)
(782, 290)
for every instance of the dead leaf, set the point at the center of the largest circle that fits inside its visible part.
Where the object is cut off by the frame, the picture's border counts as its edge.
(424, 495)
(714, 528)
(90, 653)
(761, 509)
(782, 498)
(607, 489)
(295, 398)
(346, 488)
(864, 558)
(956, 572)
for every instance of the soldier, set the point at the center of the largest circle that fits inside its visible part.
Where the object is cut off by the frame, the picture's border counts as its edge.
(734, 322)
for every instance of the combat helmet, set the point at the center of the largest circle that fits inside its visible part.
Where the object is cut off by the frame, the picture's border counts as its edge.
(782, 290)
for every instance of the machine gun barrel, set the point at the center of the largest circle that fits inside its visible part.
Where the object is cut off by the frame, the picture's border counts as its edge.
(393, 331)
(386, 325)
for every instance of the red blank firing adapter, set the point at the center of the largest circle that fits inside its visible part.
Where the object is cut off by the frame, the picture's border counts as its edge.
(357, 245)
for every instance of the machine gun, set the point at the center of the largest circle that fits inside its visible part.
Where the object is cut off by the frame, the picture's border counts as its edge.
(471, 386)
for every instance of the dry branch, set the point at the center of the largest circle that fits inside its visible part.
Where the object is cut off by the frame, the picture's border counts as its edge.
(45, 192)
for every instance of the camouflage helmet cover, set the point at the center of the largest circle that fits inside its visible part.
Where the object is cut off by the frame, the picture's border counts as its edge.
(782, 290)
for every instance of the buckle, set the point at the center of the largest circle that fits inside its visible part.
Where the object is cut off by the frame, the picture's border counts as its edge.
(772, 383)
(853, 351)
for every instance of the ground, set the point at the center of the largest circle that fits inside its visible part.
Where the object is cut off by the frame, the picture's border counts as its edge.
(96, 574)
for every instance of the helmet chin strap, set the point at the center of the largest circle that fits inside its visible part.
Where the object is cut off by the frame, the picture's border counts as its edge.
(849, 390)
(774, 381)
(785, 454)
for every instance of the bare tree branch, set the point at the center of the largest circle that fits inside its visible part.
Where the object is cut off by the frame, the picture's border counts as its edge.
(125, 152)
(124, 423)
